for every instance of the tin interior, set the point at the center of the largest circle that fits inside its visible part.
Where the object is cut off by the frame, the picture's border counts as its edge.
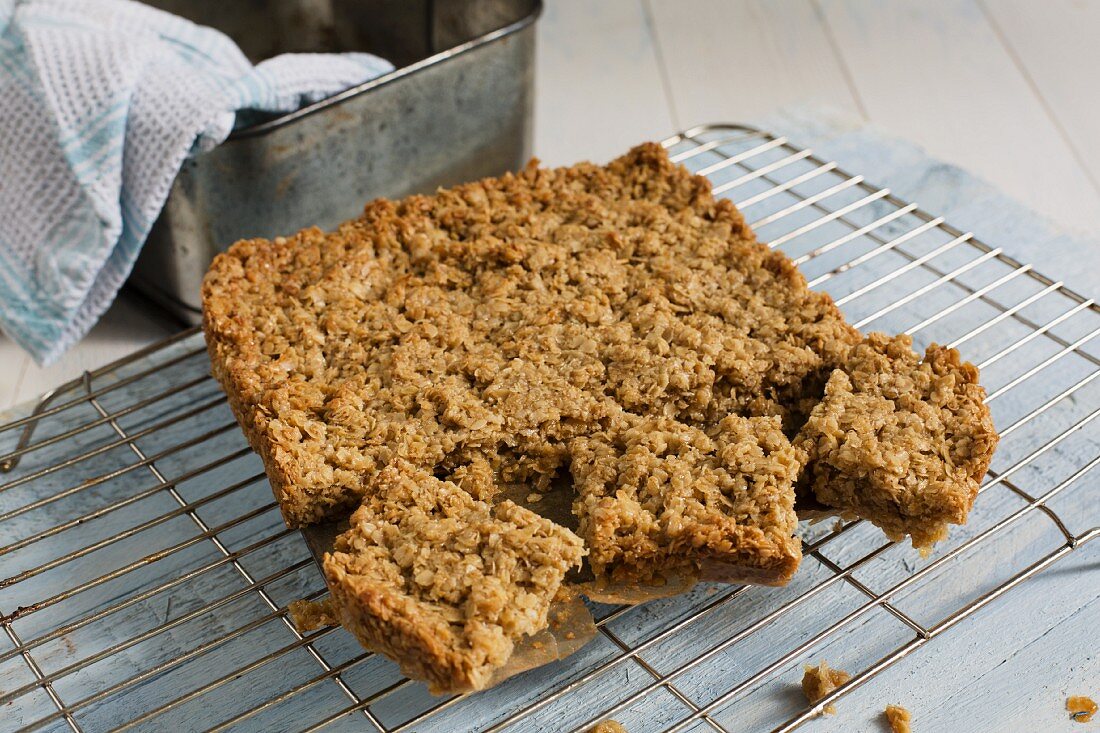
(401, 31)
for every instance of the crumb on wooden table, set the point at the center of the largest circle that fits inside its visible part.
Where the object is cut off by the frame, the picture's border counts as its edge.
(1081, 708)
(611, 318)
(899, 719)
(819, 681)
(443, 583)
(608, 726)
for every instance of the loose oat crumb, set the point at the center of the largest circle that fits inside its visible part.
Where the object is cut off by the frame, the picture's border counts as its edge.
(534, 498)
(819, 681)
(1081, 708)
(608, 726)
(311, 615)
(899, 719)
(570, 635)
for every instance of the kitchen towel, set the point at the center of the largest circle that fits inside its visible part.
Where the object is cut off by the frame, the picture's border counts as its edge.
(100, 103)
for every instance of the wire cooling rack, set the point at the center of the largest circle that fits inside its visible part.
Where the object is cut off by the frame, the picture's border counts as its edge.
(147, 572)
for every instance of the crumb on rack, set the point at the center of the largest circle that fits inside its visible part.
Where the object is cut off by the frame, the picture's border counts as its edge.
(312, 615)
(608, 726)
(899, 719)
(1081, 708)
(819, 681)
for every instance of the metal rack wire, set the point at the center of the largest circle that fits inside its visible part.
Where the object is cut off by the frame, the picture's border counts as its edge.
(147, 573)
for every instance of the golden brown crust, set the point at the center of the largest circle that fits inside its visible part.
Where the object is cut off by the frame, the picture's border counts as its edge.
(616, 322)
(443, 583)
(819, 681)
(313, 615)
(899, 440)
(496, 321)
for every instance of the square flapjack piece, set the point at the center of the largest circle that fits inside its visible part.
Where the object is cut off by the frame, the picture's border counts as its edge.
(900, 440)
(490, 324)
(443, 583)
(658, 497)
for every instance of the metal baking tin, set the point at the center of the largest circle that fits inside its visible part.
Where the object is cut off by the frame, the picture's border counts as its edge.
(440, 118)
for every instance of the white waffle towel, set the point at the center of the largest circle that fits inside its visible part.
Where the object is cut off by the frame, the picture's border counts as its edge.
(100, 103)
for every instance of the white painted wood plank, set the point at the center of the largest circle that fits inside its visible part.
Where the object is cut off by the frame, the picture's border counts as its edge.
(740, 61)
(1055, 43)
(1008, 668)
(937, 73)
(598, 84)
(128, 325)
(13, 362)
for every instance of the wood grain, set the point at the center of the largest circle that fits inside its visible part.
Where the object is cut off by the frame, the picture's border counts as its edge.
(739, 61)
(1054, 45)
(938, 74)
(598, 83)
(968, 80)
(129, 324)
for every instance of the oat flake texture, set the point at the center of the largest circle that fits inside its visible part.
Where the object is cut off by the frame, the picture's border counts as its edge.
(615, 327)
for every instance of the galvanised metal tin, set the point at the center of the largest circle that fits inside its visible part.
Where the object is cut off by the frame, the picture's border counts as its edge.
(442, 117)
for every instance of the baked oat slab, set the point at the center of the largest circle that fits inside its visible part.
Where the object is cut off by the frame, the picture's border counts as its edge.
(442, 583)
(614, 327)
(492, 323)
(900, 440)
